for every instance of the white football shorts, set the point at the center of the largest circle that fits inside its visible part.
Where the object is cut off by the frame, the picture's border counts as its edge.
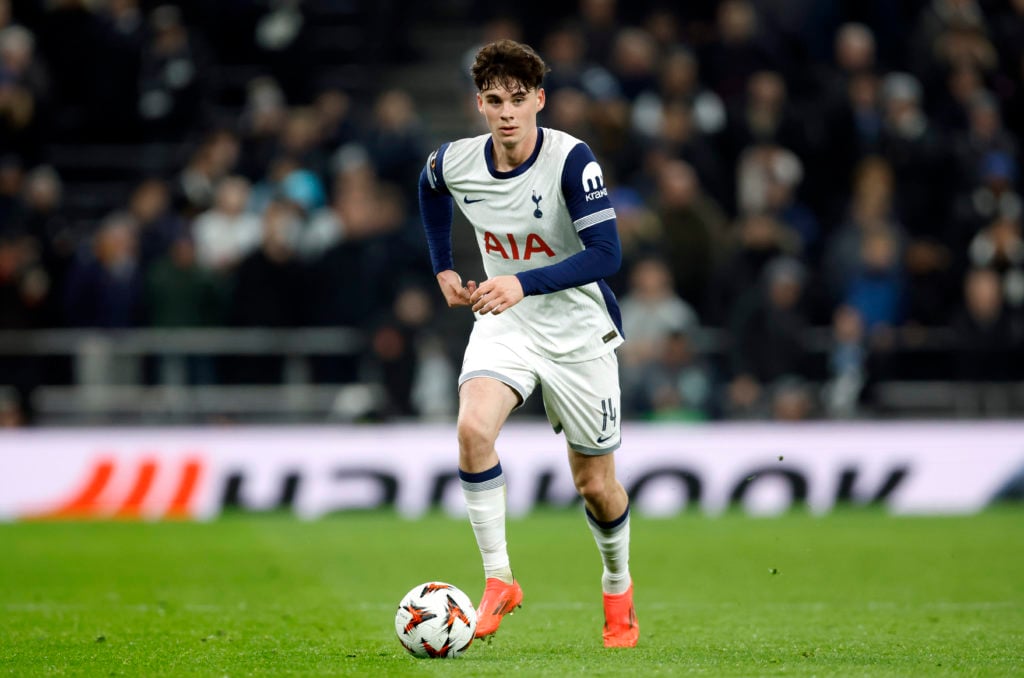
(581, 399)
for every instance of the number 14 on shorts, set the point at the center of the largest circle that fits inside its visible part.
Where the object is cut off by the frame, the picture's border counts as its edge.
(609, 415)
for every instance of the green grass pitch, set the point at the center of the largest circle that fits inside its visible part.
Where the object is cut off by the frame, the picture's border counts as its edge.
(855, 593)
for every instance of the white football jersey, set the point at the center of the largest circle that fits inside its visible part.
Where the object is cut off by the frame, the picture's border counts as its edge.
(528, 218)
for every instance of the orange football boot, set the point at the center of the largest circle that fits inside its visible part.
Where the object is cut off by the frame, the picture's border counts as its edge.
(499, 599)
(621, 627)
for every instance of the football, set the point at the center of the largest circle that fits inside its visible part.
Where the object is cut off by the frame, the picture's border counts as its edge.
(435, 620)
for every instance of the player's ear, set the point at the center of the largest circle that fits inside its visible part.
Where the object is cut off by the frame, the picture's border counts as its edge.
(541, 98)
(479, 102)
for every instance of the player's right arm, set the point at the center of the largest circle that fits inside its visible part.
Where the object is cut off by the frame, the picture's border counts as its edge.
(436, 210)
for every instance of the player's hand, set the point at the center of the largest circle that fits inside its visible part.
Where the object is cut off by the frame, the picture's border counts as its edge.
(497, 295)
(454, 292)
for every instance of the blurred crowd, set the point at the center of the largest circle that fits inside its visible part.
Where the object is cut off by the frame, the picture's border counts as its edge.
(776, 165)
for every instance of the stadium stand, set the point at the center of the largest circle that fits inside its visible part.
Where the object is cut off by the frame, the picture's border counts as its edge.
(207, 210)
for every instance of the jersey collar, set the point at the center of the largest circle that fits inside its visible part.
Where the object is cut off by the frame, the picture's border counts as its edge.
(489, 158)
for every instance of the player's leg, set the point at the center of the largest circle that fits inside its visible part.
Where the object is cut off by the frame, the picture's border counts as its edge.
(582, 399)
(484, 405)
(607, 507)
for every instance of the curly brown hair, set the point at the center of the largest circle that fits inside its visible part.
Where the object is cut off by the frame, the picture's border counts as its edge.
(508, 64)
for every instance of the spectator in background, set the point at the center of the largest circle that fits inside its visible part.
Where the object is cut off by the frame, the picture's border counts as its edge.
(759, 239)
(764, 117)
(336, 125)
(651, 310)
(41, 201)
(634, 62)
(694, 230)
(989, 342)
(104, 286)
(125, 19)
(599, 24)
(768, 325)
(679, 81)
(984, 135)
(269, 290)
(915, 151)
(24, 284)
(301, 140)
(676, 384)
(738, 52)
(325, 227)
(52, 234)
(227, 233)
(878, 290)
(620, 149)
(963, 85)
(24, 89)
(676, 137)
(993, 197)
(214, 159)
(170, 77)
(855, 52)
(1000, 247)
(288, 178)
(178, 293)
(663, 25)
(24, 288)
(569, 109)
(871, 209)
(950, 33)
(262, 120)
(850, 104)
(159, 226)
(847, 364)
(348, 285)
(768, 180)
(395, 139)
(393, 348)
(565, 51)
(988, 337)
(864, 103)
(792, 400)
(640, 234)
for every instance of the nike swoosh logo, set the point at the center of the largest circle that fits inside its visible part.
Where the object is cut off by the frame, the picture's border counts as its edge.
(466, 200)
(601, 440)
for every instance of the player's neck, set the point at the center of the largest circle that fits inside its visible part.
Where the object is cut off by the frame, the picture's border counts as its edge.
(507, 158)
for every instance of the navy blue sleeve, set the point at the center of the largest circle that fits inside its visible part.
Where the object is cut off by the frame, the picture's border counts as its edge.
(601, 258)
(436, 210)
(593, 218)
(584, 190)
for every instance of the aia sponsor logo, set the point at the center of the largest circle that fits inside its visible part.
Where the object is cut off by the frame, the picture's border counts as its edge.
(513, 249)
(130, 490)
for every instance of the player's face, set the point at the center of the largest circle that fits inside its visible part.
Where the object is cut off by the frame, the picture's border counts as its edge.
(511, 115)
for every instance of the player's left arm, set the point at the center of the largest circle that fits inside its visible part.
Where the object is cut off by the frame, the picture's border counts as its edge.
(594, 219)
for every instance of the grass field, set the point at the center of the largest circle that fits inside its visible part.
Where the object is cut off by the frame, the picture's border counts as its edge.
(854, 593)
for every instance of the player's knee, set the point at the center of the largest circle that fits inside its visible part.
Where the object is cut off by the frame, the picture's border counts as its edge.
(475, 437)
(592, 487)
